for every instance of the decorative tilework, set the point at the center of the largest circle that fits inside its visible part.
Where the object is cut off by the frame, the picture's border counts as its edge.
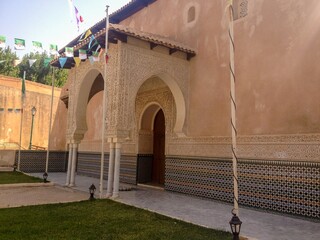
(35, 161)
(288, 187)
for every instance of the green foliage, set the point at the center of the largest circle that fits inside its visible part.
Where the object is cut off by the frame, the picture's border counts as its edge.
(38, 72)
(99, 219)
(17, 177)
(6, 67)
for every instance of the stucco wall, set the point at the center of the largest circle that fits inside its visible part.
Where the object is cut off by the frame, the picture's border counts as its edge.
(277, 47)
(37, 95)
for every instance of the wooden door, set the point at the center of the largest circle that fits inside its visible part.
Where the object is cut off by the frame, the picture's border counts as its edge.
(158, 168)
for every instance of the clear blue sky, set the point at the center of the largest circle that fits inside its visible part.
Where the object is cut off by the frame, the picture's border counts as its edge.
(49, 21)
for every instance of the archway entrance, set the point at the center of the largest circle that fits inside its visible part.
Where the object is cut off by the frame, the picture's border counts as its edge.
(158, 162)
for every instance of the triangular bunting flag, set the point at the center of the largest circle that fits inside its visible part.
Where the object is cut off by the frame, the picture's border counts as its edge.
(62, 61)
(91, 60)
(77, 60)
(85, 35)
(82, 54)
(2, 41)
(92, 42)
(16, 62)
(69, 51)
(19, 44)
(31, 62)
(46, 61)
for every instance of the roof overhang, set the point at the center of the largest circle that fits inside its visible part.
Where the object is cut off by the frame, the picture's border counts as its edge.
(121, 33)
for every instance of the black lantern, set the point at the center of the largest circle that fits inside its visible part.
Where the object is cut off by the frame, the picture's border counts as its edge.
(92, 189)
(45, 176)
(235, 224)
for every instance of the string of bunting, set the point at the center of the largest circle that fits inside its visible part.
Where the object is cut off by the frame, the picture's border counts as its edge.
(94, 47)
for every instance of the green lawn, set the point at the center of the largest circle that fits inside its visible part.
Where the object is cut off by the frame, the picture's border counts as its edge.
(17, 177)
(99, 219)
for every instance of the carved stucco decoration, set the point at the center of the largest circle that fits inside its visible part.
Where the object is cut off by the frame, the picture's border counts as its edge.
(81, 80)
(136, 66)
(305, 147)
(164, 99)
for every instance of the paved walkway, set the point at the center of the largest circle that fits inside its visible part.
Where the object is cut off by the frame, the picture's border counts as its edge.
(209, 213)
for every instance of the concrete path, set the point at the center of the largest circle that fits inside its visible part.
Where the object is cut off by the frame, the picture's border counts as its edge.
(256, 224)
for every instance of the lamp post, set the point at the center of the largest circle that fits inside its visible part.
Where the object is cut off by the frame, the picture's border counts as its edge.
(92, 189)
(235, 224)
(33, 112)
(45, 176)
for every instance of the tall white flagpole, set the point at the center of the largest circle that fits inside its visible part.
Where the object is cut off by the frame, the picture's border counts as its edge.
(104, 104)
(50, 121)
(233, 112)
(21, 119)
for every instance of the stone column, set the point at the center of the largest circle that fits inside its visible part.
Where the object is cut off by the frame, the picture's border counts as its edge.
(115, 193)
(111, 169)
(73, 165)
(69, 164)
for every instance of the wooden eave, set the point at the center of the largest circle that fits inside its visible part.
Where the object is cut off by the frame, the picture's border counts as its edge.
(121, 33)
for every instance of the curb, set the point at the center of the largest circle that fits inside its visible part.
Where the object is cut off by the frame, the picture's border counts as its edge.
(17, 185)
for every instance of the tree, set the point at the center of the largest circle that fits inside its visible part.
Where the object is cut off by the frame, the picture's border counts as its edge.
(38, 72)
(7, 66)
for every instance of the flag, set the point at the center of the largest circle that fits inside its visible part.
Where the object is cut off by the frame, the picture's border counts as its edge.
(92, 42)
(85, 35)
(32, 61)
(82, 54)
(23, 89)
(107, 58)
(77, 61)
(53, 49)
(62, 61)
(95, 56)
(37, 46)
(19, 44)
(2, 41)
(69, 51)
(78, 17)
(16, 62)
(91, 60)
(46, 61)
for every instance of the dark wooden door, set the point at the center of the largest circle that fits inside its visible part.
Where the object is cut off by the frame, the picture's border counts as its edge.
(158, 168)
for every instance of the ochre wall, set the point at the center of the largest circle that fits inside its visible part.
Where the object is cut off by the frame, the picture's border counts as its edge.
(277, 47)
(37, 95)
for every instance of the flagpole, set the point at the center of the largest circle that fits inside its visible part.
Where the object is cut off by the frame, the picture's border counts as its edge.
(233, 113)
(104, 104)
(52, 93)
(21, 119)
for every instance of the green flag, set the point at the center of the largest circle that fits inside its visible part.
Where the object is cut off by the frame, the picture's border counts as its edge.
(19, 44)
(53, 49)
(47, 61)
(2, 41)
(37, 46)
(69, 51)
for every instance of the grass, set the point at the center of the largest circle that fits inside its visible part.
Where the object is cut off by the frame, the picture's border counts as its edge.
(99, 219)
(17, 177)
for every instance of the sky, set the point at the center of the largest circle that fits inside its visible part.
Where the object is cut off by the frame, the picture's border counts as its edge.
(49, 21)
